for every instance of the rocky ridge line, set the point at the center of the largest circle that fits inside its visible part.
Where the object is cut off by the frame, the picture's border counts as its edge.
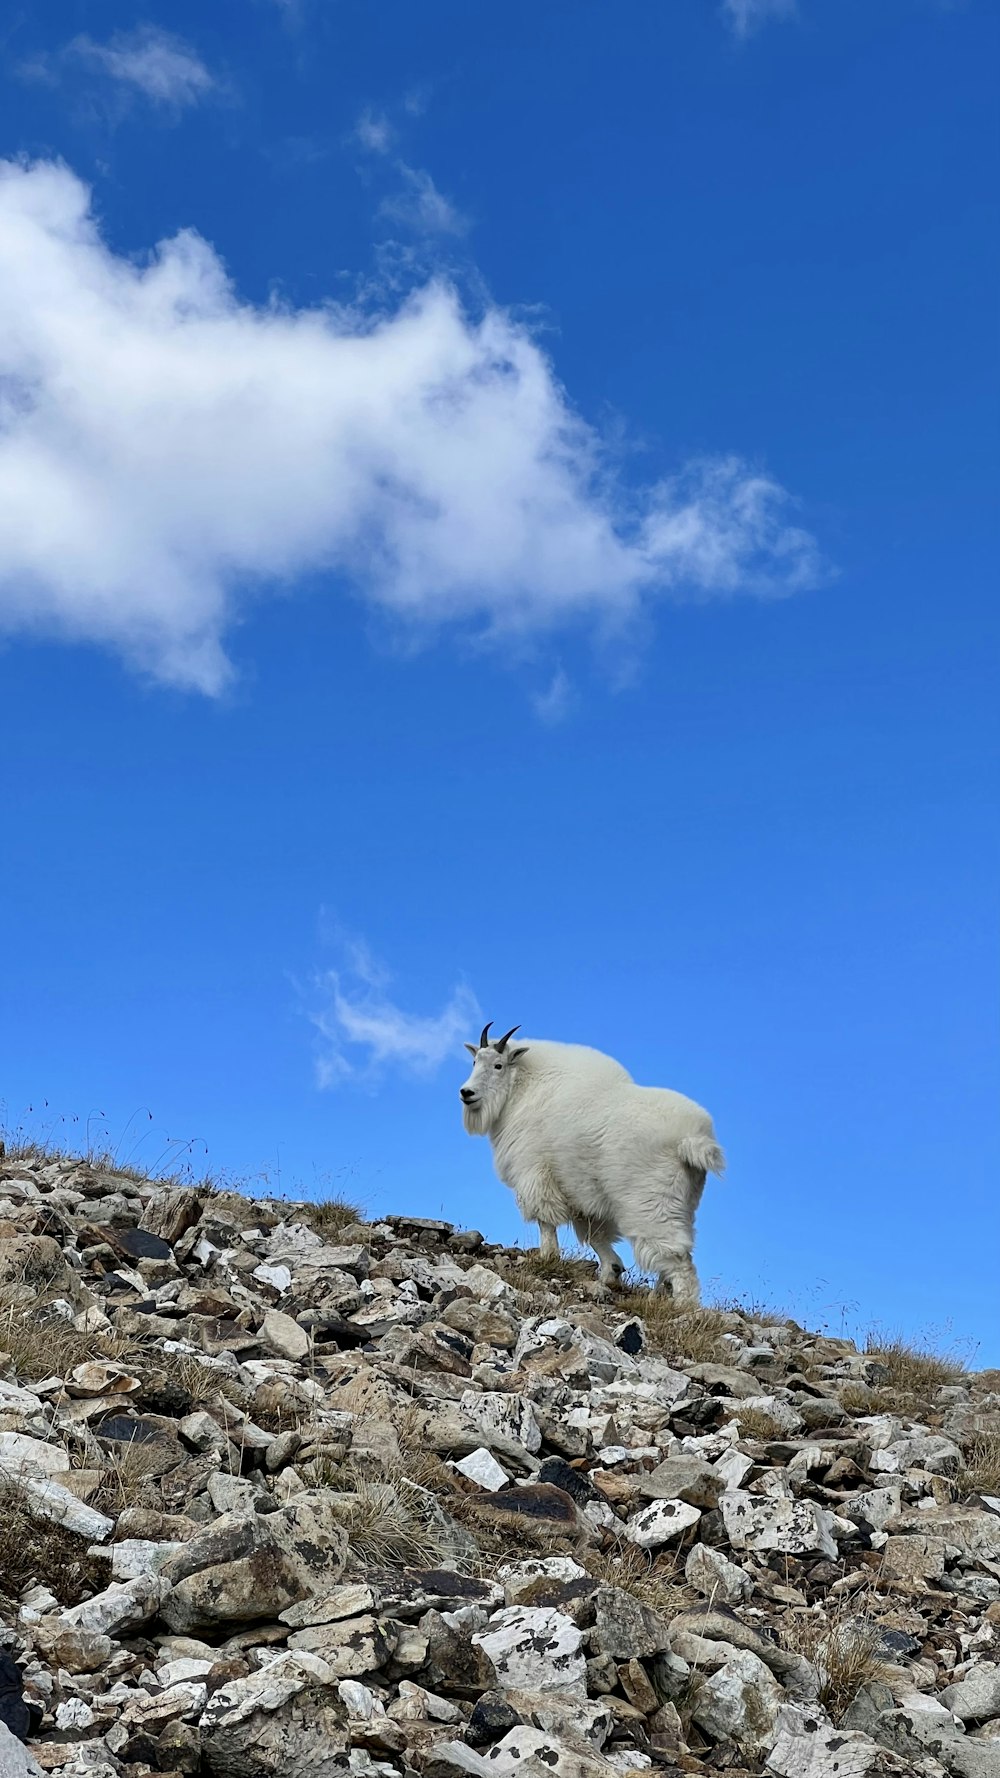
(279, 1496)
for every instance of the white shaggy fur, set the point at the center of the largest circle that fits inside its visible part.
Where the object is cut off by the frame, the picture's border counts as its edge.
(579, 1143)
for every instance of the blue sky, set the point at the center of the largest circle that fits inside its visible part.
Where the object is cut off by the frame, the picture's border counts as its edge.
(494, 521)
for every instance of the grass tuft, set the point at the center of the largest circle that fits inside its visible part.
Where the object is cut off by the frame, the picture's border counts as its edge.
(757, 1423)
(388, 1526)
(980, 1473)
(916, 1373)
(330, 1216)
(656, 1582)
(844, 1651)
(35, 1551)
(675, 1330)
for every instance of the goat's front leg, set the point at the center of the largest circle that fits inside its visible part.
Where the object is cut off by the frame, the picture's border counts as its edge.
(540, 1200)
(548, 1246)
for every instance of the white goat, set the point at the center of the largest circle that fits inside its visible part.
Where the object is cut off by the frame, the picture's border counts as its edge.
(578, 1142)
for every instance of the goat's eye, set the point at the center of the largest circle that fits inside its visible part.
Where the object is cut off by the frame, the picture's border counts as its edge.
(498, 1066)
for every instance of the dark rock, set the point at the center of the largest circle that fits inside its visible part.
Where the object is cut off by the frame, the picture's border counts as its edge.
(14, 1712)
(492, 1717)
(139, 1244)
(574, 1482)
(631, 1338)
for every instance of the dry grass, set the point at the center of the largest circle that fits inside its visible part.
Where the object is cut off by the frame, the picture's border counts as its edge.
(980, 1473)
(757, 1423)
(843, 1648)
(388, 1526)
(676, 1331)
(45, 1345)
(915, 1374)
(34, 1551)
(856, 1398)
(531, 1272)
(331, 1215)
(658, 1583)
(125, 1480)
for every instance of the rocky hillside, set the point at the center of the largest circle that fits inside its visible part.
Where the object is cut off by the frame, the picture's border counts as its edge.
(285, 1493)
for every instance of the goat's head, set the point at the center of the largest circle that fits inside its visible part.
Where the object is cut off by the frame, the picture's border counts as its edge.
(494, 1067)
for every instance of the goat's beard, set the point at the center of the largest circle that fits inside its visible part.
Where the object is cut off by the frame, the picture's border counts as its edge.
(476, 1119)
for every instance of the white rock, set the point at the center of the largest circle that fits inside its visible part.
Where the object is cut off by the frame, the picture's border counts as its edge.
(795, 1527)
(284, 1336)
(74, 1713)
(358, 1701)
(267, 1690)
(660, 1523)
(185, 1667)
(807, 1747)
(535, 1649)
(32, 1456)
(482, 1467)
(48, 1499)
(732, 1467)
(713, 1575)
(278, 1277)
(541, 1750)
(136, 1556)
(15, 1760)
(510, 1416)
(120, 1607)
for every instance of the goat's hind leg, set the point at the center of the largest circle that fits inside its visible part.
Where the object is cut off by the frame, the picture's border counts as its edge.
(600, 1236)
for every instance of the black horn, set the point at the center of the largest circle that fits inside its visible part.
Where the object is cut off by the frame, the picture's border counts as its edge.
(485, 1036)
(503, 1042)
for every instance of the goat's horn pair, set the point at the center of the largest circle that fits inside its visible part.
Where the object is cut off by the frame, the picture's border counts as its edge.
(503, 1042)
(485, 1035)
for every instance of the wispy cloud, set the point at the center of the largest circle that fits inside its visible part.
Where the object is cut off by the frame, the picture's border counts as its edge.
(364, 1032)
(165, 69)
(747, 16)
(417, 204)
(168, 452)
(374, 132)
(420, 206)
(554, 704)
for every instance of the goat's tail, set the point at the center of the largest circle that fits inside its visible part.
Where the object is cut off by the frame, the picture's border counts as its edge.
(702, 1153)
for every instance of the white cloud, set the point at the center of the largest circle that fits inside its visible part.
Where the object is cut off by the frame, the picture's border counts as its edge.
(747, 16)
(554, 704)
(374, 132)
(363, 1032)
(168, 451)
(162, 67)
(421, 206)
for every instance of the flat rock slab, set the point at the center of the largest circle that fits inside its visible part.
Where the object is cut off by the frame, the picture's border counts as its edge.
(795, 1527)
(535, 1649)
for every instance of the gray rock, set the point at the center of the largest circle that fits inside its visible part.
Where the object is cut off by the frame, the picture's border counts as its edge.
(284, 1336)
(712, 1574)
(683, 1478)
(975, 1698)
(741, 1702)
(625, 1629)
(15, 1760)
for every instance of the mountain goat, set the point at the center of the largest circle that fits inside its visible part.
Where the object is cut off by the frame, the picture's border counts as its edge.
(578, 1142)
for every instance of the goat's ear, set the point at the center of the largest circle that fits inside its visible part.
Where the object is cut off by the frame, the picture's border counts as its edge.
(512, 1055)
(472, 1049)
